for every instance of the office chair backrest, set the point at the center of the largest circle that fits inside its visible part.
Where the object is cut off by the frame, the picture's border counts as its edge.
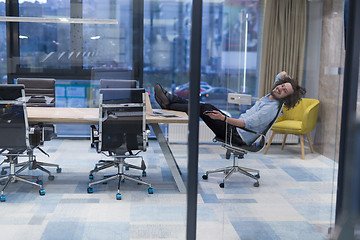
(117, 83)
(13, 118)
(122, 95)
(122, 121)
(40, 90)
(259, 143)
(10, 91)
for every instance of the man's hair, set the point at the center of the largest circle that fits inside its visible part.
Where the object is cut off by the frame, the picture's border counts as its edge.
(291, 100)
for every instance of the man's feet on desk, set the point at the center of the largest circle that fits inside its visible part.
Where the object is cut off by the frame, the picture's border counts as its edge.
(162, 97)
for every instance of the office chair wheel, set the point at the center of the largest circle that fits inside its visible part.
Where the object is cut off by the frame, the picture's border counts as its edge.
(91, 177)
(256, 184)
(204, 176)
(118, 196)
(3, 172)
(42, 192)
(257, 175)
(222, 185)
(39, 182)
(144, 174)
(51, 178)
(90, 190)
(3, 198)
(58, 170)
(150, 190)
(127, 168)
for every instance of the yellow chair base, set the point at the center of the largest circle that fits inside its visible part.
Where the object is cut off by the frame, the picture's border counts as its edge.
(284, 140)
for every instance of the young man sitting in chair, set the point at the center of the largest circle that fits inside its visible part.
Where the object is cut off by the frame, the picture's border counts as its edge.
(285, 91)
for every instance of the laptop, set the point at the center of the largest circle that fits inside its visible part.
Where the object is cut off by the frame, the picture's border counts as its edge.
(157, 112)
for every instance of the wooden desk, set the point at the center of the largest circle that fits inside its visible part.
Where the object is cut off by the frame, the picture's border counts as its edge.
(91, 116)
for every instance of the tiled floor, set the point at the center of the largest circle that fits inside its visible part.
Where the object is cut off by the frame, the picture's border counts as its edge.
(295, 199)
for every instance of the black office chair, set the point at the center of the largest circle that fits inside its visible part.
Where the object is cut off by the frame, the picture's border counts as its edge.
(110, 83)
(40, 92)
(121, 131)
(238, 152)
(17, 139)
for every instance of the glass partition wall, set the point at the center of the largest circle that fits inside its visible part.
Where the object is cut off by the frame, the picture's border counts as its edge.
(296, 197)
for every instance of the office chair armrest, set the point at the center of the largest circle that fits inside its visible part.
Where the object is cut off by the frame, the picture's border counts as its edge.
(34, 136)
(94, 136)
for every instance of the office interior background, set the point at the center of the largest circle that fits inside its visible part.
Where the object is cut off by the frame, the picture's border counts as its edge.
(151, 43)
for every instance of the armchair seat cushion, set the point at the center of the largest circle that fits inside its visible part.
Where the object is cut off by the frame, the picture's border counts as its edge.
(288, 126)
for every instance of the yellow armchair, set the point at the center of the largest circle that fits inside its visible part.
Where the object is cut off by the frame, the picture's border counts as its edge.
(298, 121)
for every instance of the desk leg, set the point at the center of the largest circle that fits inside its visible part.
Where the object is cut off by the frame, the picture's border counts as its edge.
(169, 157)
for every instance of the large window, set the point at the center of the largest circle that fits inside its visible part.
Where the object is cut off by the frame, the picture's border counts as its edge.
(45, 45)
(166, 43)
(86, 46)
(108, 46)
(229, 57)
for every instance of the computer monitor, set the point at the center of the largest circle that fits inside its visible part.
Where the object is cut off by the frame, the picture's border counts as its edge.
(11, 91)
(122, 95)
(117, 83)
(97, 74)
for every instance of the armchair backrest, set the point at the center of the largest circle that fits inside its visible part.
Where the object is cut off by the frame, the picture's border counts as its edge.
(122, 120)
(117, 83)
(13, 118)
(38, 89)
(259, 143)
(305, 111)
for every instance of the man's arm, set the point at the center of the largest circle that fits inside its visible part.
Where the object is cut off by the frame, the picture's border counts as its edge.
(233, 121)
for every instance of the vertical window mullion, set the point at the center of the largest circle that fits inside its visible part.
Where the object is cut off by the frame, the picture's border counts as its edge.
(76, 35)
(12, 39)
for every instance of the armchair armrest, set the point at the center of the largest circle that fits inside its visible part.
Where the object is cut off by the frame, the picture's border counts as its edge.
(310, 115)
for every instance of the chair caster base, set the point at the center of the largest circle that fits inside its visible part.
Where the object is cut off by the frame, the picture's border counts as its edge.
(222, 185)
(90, 190)
(118, 196)
(3, 198)
(42, 192)
(51, 178)
(58, 170)
(205, 177)
(150, 190)
(256, 184)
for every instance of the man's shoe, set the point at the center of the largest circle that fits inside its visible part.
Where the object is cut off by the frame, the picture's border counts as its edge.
(161, 96)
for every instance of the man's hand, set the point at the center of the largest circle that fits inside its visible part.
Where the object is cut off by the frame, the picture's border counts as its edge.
(216, 115)
(284, 74)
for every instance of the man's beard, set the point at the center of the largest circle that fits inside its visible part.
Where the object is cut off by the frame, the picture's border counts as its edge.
(274, 96)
